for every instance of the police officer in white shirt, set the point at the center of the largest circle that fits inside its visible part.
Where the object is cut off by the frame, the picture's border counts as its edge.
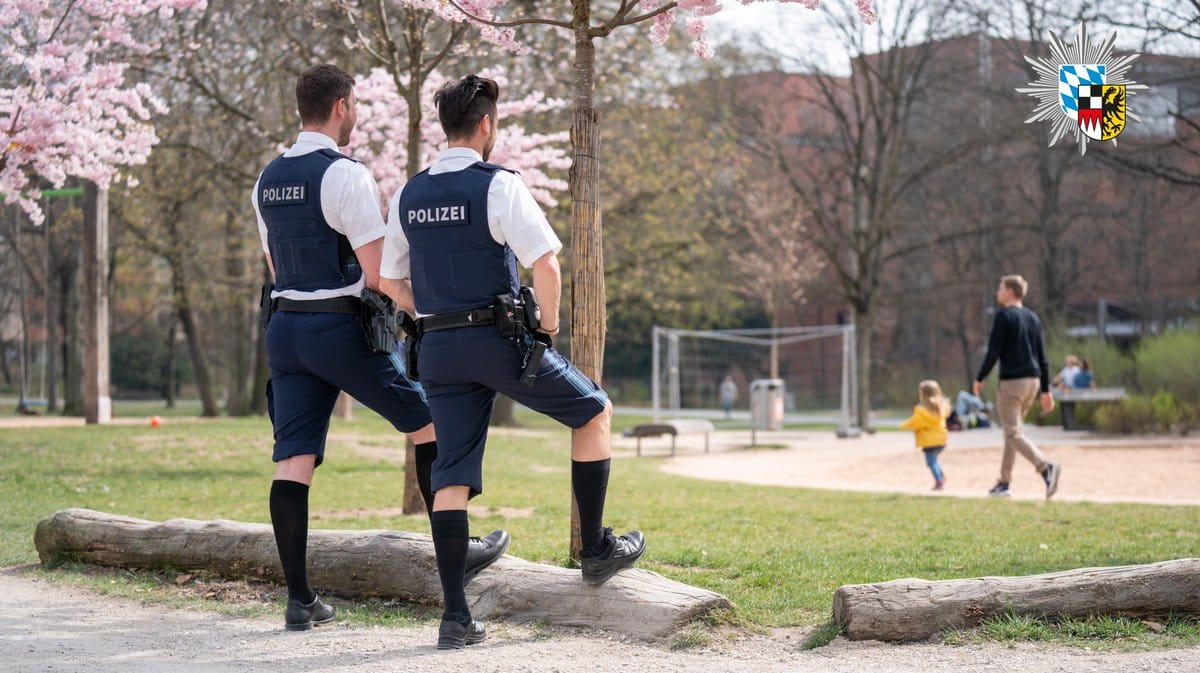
(322, 234)
(455, 234)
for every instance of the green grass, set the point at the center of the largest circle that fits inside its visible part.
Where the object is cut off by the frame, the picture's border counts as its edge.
(1105, 632)
(778, 553)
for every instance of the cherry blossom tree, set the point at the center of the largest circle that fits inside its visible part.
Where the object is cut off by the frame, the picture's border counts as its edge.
(381, 138)
(66, 108)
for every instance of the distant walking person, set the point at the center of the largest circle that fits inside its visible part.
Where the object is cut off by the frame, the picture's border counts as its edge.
(1017, 342)
(729, 393)
(928, 423)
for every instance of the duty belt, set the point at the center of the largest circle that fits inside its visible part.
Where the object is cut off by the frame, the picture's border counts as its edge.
(479, 317)
(330, 305)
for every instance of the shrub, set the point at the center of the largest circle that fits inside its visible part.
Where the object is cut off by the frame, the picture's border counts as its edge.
(1167, 363)
(1166, 411)
(1130, 416)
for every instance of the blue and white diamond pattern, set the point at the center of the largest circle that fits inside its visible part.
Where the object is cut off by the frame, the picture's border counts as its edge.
(1070, 77)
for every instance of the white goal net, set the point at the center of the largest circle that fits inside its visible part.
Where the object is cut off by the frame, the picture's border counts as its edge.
(816, 364)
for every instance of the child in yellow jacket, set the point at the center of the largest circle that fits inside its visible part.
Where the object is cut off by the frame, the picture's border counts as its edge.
(928, 423)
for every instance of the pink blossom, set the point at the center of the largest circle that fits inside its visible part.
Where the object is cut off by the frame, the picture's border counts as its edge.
(380, 138)
(65, 109)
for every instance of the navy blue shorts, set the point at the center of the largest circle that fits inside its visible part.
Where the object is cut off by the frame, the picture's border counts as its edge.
(462, 370)
(314, 355)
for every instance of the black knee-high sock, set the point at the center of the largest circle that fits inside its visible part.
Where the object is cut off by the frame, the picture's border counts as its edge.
(426, 453)
(450, 533)
(590, 482)
(289, 517)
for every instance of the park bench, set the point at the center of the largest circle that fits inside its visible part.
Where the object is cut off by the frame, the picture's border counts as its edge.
(1072, 396)
(674, 428)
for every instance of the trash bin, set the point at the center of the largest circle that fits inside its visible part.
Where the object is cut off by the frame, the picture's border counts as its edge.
(766, 404)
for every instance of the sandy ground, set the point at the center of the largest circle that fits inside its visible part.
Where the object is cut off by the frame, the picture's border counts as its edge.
(1095, 467)
(52, 628)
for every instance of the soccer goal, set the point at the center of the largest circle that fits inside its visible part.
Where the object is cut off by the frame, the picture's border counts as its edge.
(817, 365)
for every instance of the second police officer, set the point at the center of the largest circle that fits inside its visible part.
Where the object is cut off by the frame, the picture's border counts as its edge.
(455, 234)
(322, 234)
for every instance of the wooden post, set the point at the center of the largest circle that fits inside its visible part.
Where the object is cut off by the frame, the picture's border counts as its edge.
(97, 404)
(344, 407)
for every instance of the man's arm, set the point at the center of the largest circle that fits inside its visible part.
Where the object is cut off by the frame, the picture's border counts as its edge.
(401, 292)
(995, 343)
(270, 265)
(547, 287)
(1043, 364)
(369, 255)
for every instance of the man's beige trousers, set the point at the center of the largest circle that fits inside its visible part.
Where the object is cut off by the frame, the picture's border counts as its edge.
(1015, 398)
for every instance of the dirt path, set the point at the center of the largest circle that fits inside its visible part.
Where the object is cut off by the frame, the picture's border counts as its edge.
(1095, 468)
(51, 629)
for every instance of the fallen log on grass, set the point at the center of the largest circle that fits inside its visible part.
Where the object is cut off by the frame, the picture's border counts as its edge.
(915, 609)
(392, 564)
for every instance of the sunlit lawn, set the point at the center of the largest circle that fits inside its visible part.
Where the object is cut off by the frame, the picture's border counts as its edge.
(778, 553)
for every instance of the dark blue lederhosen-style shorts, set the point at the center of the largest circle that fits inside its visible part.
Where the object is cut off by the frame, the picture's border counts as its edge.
(312, 356)
(462, 369)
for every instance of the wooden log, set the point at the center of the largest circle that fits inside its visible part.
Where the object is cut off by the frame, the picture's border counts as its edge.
(354, 563)
(914, 609)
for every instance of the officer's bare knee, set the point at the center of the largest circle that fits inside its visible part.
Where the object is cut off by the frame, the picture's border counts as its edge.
(601, 421)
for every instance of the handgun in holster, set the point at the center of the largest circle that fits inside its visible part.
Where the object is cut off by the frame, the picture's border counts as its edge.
(378, 316)
(412, 342)
(535, 342)
(266, 305)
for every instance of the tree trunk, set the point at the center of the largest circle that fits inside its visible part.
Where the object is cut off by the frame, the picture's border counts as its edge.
(72, 344)
(863, 326)
(187, 316)
(587, 246)
(414, 502)
(915, 609)
(502, 413)
(241, 342)
(635, 602)
(343, 408)
(169, 366)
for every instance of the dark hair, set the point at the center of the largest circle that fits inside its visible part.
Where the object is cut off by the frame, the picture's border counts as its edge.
(318, 89)
(462, 104)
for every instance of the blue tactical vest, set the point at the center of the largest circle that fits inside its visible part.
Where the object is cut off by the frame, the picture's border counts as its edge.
(456, 264)
(306, 252)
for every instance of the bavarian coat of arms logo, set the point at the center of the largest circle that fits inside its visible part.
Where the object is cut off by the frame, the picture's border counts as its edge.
(1082, 90)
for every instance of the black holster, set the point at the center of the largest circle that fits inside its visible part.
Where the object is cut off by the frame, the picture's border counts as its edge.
(412, 343)
(265, 305)
(378, 316)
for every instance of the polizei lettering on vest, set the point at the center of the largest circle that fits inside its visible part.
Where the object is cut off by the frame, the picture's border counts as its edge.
(280, 195)
(442, 213)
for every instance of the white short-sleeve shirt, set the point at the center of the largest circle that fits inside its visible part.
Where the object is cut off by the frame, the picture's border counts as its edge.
(349, 201)
(514, 217)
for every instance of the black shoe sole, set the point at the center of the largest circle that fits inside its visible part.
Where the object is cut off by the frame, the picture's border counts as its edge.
(306, 626)
(456, 644)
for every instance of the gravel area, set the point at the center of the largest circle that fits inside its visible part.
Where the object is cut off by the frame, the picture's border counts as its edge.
(51, 628)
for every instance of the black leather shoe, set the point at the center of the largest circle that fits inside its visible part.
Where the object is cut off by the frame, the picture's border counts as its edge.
(454, 635)
(621, 552)
(301, 617)
(483, 552)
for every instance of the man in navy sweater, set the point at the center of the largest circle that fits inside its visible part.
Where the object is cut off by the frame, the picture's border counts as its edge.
(1017, 342)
